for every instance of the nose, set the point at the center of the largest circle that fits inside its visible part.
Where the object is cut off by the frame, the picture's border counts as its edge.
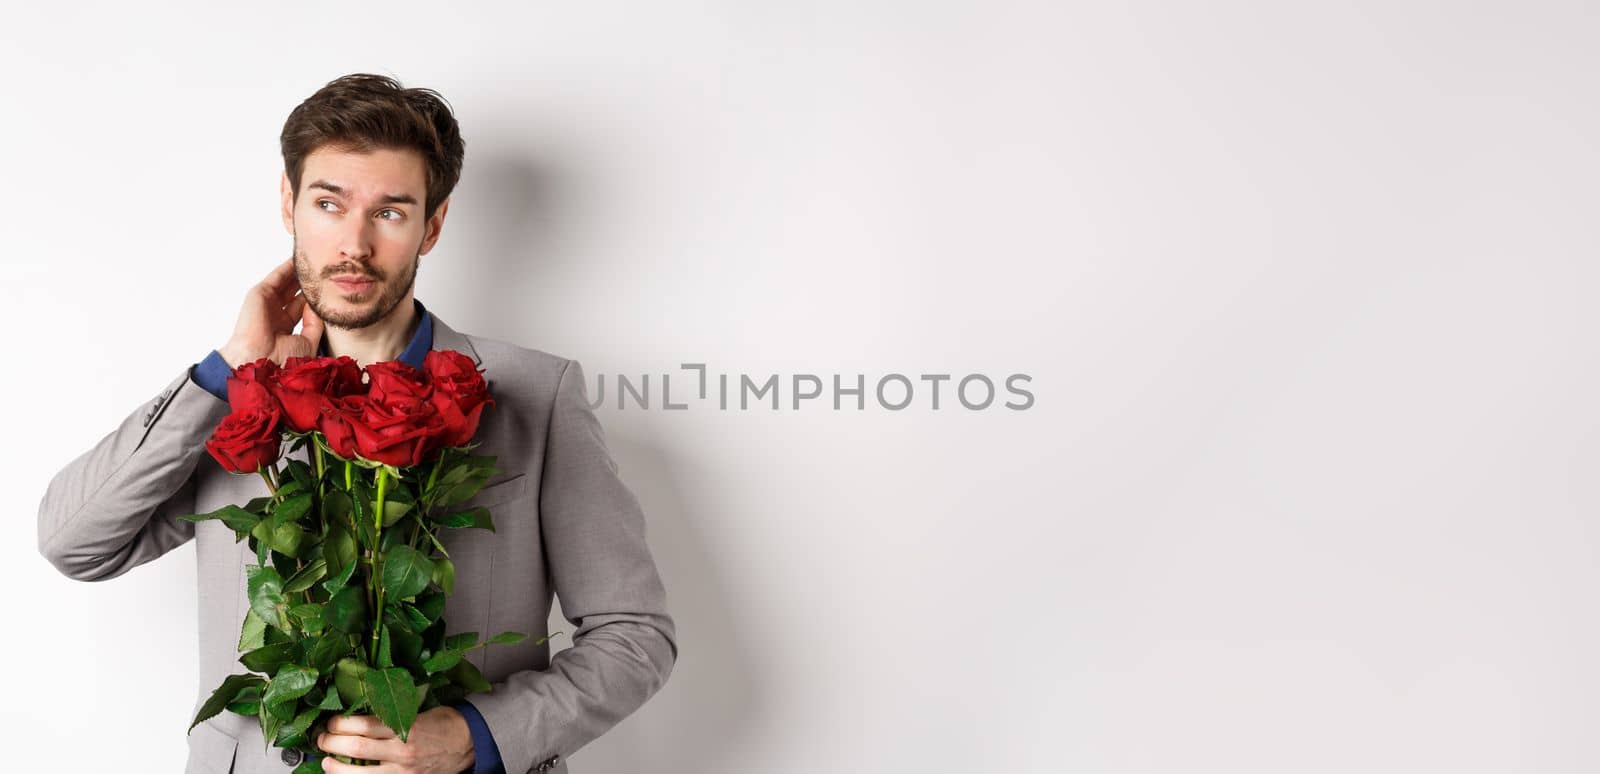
(355, 239)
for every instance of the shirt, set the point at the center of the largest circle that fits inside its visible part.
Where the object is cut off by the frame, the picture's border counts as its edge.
(212, 374)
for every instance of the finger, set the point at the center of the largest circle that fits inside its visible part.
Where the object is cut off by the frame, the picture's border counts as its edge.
(311, 328)
(360, 725)
(356, 746)
(279, 275)
(282, 282)
(337, 766)
(295, 305)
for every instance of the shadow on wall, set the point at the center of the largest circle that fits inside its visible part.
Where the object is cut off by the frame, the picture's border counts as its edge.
(711, 702)
(522, 225)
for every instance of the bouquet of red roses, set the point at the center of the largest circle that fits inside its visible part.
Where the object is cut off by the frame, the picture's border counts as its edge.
(347, 597)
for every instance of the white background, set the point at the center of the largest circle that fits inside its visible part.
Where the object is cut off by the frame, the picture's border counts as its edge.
(1305, 290)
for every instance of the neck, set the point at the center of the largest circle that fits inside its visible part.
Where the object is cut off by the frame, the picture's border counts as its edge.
(381, 341)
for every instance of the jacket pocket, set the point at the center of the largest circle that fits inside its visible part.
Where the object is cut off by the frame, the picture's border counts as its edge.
(503, 491)
(210, 751)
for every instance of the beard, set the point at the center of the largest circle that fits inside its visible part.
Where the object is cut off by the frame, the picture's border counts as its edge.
(369, 307)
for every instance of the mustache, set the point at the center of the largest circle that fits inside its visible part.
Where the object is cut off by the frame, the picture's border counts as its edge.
(350, 273)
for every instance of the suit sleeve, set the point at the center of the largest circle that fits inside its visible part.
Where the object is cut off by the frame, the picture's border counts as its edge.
(116, 506)
(625, 642)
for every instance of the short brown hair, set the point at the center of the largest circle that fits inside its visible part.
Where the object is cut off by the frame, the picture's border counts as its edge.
(365, 112)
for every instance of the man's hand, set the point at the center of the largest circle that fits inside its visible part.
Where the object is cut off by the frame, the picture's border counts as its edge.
(266, 323)
(439, 743)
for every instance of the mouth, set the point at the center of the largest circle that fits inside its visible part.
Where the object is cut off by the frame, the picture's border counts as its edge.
(353, 283)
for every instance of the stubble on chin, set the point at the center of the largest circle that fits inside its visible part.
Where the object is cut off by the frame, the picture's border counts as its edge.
(387, 293)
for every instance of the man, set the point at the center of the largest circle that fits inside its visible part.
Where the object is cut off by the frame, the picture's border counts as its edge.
(369, 168)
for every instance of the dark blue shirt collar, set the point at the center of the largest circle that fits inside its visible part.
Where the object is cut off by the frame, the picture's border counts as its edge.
(421, 341)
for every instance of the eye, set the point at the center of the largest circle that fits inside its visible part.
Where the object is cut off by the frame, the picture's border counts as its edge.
(321, 202)
(397, 214)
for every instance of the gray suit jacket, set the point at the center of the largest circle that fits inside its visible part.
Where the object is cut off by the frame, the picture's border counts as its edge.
(565, 524)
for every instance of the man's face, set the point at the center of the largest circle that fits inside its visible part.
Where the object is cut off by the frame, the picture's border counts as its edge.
(359, 215)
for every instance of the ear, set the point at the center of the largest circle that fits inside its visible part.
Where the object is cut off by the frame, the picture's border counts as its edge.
(435, 226)
(287, 194)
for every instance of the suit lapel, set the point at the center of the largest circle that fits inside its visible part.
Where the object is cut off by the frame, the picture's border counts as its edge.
(446, 337)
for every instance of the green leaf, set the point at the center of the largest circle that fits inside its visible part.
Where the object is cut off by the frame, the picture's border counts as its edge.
(289, 538)
(291, 682)
(347, 610)
(349, 680)
(475, 517)
(294, 734)
(394, 698)
(405, 646)
(283, 711)
(332, 585)
(414, 617)
(467, 675)
(394, 510)
(431, 603)
(454, 473)
(308, 615)
(284, 537)
(269, 658)
(405, 572)
(248, 702)
(238, 519)
(225, 693)
(339, 549)
(441, 661)
(284, 563)
(274, 635)
(265, 587)
(426, 530)
(506, 638)
(390, 537)
(444, 574)
(270, 723)
(329, 649)
(384, 659)
(336, 507)
(292, 509)
(367, 536)
(250, 635)
(299, 470)
(462, 641)
(307, 576)
(471, 481)
(331, 701)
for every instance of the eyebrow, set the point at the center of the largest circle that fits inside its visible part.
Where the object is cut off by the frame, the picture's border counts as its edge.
(384, 199)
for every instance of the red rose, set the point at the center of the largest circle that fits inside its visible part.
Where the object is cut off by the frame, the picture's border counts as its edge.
(402, 433)
(248, 438)
(306, 383)
(394, 382)
(459, 393)
(333, 422)
(244, 395)
(262, 370)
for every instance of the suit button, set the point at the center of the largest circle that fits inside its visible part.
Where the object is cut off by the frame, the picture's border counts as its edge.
(292, 757)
